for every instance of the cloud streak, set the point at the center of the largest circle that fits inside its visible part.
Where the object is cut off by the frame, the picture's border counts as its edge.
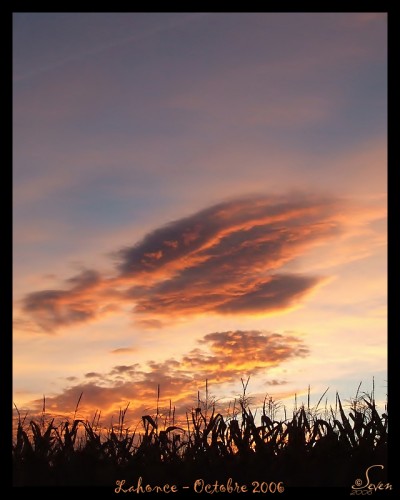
(229, 258)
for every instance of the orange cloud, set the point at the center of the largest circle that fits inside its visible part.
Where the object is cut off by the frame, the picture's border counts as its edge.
(241, 352)
(123, 350)
(222, 357)
(228, 258)
(50, 308)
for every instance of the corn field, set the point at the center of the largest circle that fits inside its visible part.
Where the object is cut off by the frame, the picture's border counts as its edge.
(311, 447)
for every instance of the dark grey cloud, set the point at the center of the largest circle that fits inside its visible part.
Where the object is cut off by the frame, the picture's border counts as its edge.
(52, 308)
(63, 307)
(234, 260)
(229, 258)
(279, 292)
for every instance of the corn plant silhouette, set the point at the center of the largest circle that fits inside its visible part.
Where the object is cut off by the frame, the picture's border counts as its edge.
(313, 447)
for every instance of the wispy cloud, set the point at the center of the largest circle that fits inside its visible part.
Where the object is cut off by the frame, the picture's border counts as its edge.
(123, 350)
(100, 47)
(228, 258)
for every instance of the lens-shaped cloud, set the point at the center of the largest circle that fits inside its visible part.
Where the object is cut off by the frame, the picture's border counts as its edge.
(230, 258)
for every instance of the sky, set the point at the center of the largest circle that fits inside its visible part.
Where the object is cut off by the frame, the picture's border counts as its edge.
(198, 196)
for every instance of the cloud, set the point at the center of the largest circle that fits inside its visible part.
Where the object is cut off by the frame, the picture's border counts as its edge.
(124, 369)
(221, 357)
(275, 382)
(277, 293)
(57, 307)
(245, 352)
(228, 258)
(63, 307)
(123, 350)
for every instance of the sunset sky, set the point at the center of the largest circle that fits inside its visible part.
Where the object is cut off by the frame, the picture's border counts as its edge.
(198, 196)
